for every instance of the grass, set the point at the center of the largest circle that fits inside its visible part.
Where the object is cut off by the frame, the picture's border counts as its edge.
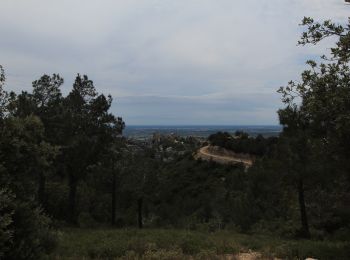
(182, 244)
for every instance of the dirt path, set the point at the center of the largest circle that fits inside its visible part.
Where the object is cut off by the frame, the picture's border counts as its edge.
(205, 154)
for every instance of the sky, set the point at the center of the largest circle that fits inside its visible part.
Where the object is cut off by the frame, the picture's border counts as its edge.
(167, 62)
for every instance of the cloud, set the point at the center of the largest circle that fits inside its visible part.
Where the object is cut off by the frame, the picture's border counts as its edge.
(178, 57)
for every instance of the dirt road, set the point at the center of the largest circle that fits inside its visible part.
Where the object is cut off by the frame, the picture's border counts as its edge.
(205, 153)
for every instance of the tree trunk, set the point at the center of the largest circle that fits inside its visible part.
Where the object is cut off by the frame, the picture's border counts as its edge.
(114, 191)
(305, 232)
(41, 190)
(73, 183)
(139, 211)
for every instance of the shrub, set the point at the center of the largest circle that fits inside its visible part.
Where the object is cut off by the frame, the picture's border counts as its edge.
(6, 213)
(32, 236)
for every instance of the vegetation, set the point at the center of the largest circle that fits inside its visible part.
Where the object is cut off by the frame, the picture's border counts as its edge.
(64, 163)
(185, 244)
(242, 143)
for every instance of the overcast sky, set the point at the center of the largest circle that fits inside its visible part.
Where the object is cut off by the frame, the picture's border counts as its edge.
(166, 61)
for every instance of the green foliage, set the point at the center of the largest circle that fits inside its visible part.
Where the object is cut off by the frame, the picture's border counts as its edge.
(316, 32)
(89, 132)
(316, 129)
(24, 229)
(22, 140)
(242, 143)
(3, 94)
(32, 235)
(46, 91)
(6, 220)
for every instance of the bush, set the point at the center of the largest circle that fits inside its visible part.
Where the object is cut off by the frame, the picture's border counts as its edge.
(6, 213)
(32, 236)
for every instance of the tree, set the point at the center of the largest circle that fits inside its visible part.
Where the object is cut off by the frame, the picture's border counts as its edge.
(88, 132)
(138, 178)
(3, 94)
(46, 90)
(47, 98)
(317, 112)
(118, 155)
(23, 154)
(108, 174)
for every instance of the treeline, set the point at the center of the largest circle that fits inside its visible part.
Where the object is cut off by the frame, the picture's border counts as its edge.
(240, 142)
